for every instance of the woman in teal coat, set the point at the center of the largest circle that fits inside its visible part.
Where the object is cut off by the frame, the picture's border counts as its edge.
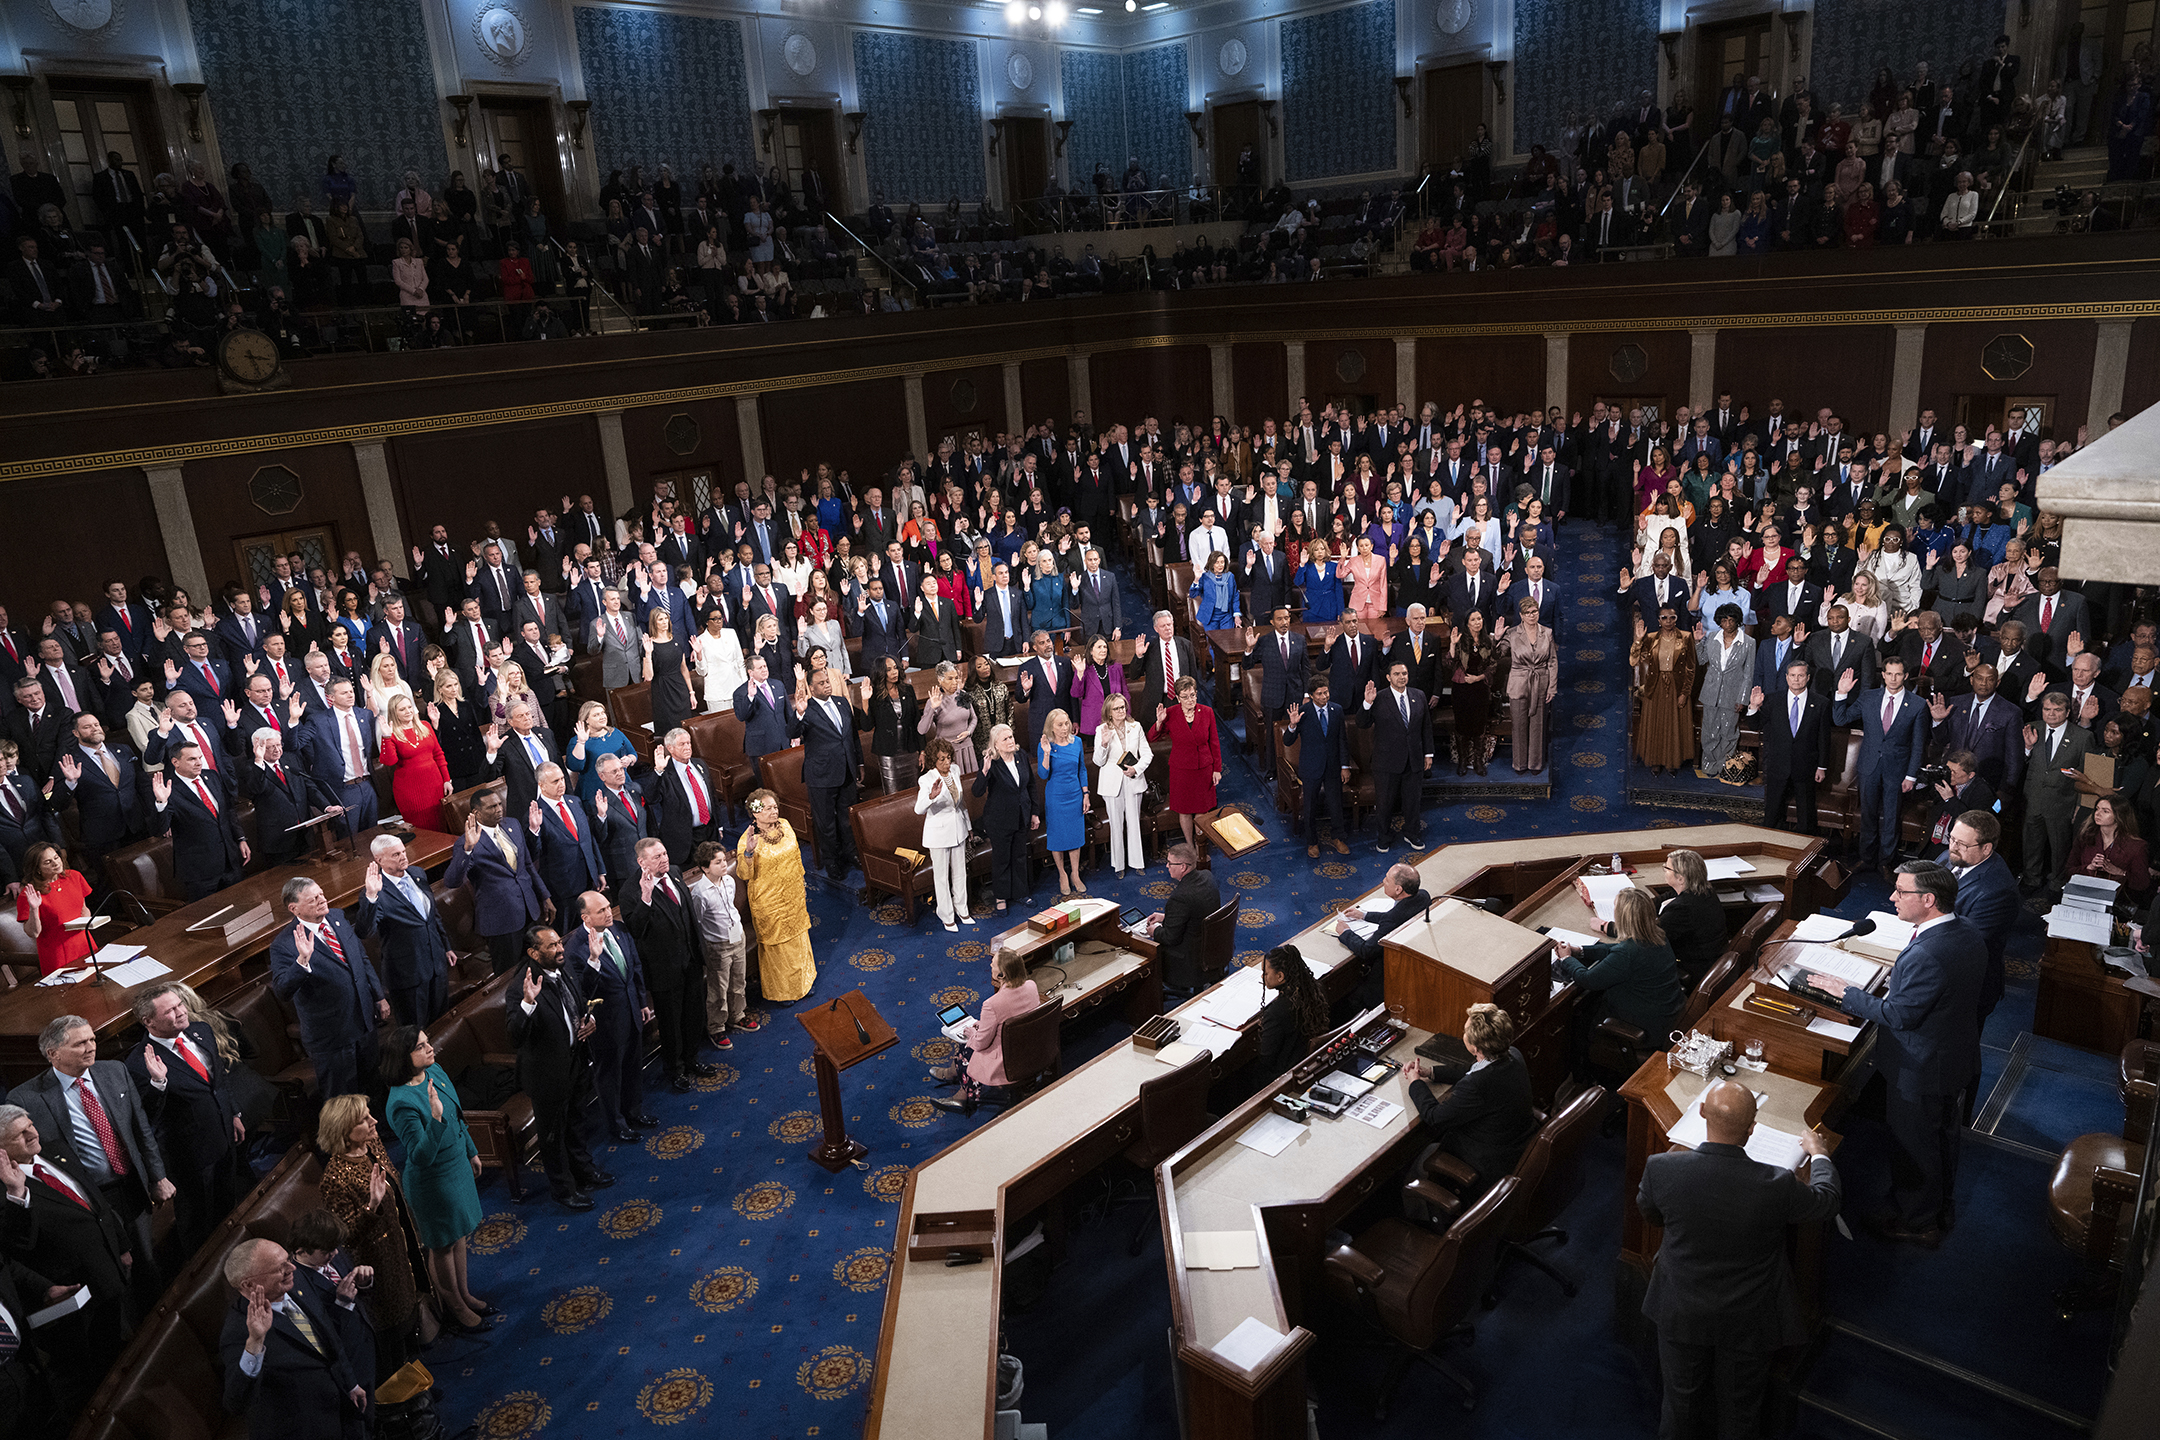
(441, 1167)
(1636, 977)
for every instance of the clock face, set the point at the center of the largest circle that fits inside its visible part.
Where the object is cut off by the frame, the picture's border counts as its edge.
(84, 14)
(1454, 16)
(249, 355)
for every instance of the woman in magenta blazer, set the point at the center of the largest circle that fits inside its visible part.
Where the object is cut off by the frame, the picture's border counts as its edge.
(983, 1061)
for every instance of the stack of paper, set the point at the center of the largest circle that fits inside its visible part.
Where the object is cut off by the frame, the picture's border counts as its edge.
(1575, 938)
(1819, 928)
(1222, 1250)
(1835, 1029)
(1375, 1111)
(1363, 929)
(1772, 1147)
(2090, 892)
(1206, 1035)
(1602, 890)
(1343, 1084)
(2074, 922)
(1236, 1001)
(1764, 894)
(1727, 867)
(1250, 1345)
(1271, 1134)
(1890, 936)
(1177, 1052)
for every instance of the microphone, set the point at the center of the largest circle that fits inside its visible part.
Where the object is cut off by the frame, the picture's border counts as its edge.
(862, 1036)
(1860, 927)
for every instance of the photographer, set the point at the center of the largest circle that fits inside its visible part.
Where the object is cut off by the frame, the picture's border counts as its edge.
(1958, 788)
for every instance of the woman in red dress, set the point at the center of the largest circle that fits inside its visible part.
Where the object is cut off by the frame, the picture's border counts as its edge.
(1195, 754)
(51, 896)
(420, 775)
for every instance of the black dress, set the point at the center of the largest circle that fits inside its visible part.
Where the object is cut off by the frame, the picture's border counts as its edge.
(671, 707)
(1694, 926)
(458, 732)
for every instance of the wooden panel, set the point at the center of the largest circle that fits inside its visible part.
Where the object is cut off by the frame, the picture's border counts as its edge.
(1046, 392)
(217, 491)
(464, 478)
(859, 428)
(55, 537)
(1170, 382)
(1259, 382)
(2141, 387)
(957, 401)
(718, 448)
(1847, 367)
(2062, 366)
(1590, 368)
(1361, 372)
(1507, 371)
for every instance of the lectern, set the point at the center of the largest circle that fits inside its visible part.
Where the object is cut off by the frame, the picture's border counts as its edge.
(846, 1032)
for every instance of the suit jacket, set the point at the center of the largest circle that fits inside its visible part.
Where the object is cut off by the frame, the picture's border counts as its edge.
(623, 994)
(2110, 702)
(1152, 692)
(192, 1116)
(2069, 613)
(1283, 681)
(665, 930)
(38, 822)
(627, 822)
(318, 738)
(1773, 600)
(1987, 900)
(415, 949)
(1722, 1277)
(937, 636)
(1487, 1118)
(1267, 585)
(232, 636)
(1460, 604)
(1857, 655)
(1410, 908)
(884, 633)
(765, 720)
(60, 1239)
(521, 774)
(549, 1056)
(301, 1392)
(106, 814)
(281, 801)
(1427, 660)
(1347, 678)
(1770, 668)
(124, 1107)
(1398, 750)
(544, 608)
(1886, 755)
(1009, 805)
(1994, 740)
(207, 696)
(2048, 792)
(1101, 608)
(1926, 1041)
(1005, 629)
(832, 754)
(1180, 941)
(672, 815)
(505, 899)
(206, 844)
(1783, 751)
(335, 1003)
(569, 864)
(1323, 750)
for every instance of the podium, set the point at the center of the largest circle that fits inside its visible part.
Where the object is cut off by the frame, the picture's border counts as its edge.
(846, 1032)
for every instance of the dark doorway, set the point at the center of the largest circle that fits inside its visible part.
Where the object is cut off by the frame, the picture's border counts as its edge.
(1026, 153)
(1454, 106)
(521, 130)
(1737, 48)
(97, 117)
(807, 142)
(1237, 125)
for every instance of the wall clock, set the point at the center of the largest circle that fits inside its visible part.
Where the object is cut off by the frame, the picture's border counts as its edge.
(248, 361)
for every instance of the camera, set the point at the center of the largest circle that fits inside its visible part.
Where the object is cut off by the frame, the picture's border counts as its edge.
(1935, 775)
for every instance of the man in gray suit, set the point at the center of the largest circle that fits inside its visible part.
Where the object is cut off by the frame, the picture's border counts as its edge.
(2051, 747)
(87, 1109)
(1095, 590)
(1722, 1294)
(615, 639)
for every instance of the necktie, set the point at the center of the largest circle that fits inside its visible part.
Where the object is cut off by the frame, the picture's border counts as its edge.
(620, 638)
(509, 851)
(208, 674)
(614, 953)
(111, 769)
(2054, 741)
(533, 750)
(202, 742)
(1796, 714)
(329, 940)
(247, 629)
(10, 800)
(2047, 613)
(59, 1186)
(629, 807)
(1889, 712)
(202, 793)
(414, 893)
(305, 1326)
(10, 1342)
(187, 1052)
(696, 787)
(355, 761)
(108, 1138)
(562, 808)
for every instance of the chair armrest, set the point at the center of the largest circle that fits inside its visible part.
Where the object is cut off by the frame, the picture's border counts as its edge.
(1445, 1169)
(1628, 1036)
(1443, 1203)
(1359, 1269)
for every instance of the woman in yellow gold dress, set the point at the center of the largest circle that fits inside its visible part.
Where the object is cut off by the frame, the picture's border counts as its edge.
(770, 859)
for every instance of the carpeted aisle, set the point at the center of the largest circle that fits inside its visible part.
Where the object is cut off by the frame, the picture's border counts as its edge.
(728, 1283)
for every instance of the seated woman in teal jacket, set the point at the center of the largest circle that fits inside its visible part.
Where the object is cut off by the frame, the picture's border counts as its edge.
(1635, 979)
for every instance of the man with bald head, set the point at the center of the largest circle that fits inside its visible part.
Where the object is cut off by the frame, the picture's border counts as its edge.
(288, 1367)
(1722, 1295)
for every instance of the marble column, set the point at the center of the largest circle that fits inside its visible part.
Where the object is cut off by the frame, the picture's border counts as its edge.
(1294, 374)
(753, 438)
(918, 422)
(615, 459)
(2111, 365)
(1702, 369)
(1015, 415)
(176, 524)
(1225, 388)
(1556, 363)
(1082, 395)
(381, 500)
(1406, 376)
(1905, 377)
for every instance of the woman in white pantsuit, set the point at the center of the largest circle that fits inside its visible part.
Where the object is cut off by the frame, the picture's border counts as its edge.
(942, 802)
(1122, 757)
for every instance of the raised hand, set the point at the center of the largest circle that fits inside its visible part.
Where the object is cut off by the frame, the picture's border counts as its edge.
(2034, 690)
(532, 986)
(259, 1317)
(172, 672)
(1372, 691)
(1290, 714)
(160, 789)
(599, 803)
(2074, 644)
(472, 830)
(472, 571)
(297, 710)
(153, 1063)
(434, 1102)
(645, 887)
(1755, 698)
(2032, 736)
(532, 817)
(1139, 651)
(1845, 683)
(304, 947)
(1939, 708)
(231, 712)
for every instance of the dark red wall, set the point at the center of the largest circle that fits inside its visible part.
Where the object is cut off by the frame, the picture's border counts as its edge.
(859, 427)
(1847, 367)
(718, 448)
(217, 491)
(1046, 392)
(1259, 382)
(1375, 382)
(1590, 368)
(2142, 386)
(2062, 367)
(70, 534)
(1505, 371)
(464, 478)
(978, 405)
(1170, 382)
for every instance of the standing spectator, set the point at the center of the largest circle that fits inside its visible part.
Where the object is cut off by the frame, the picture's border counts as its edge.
(1122, 757)
(1323, 763)
(1722, 1295)
(1401, 721)
(397, 906)
(1008, 816)
(52, 894)
(1195, 751)
(720, 934)
(1472, 657)
(655, 905)
(1061, 764)
(318, 967)
(615, 976)
(2051, 747)
(770, 859)
(182, 1080)
(289, 1367)
(441, 1166)
(551, 1025)
(1796, 746)
(495, 857)
(1665, 669)
(939, 800)
(360, 1186)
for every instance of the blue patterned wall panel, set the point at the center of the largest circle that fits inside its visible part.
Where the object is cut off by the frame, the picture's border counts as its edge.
(1582, 55)
(924, 138)
(1855, 37)
(293, 82)
(1155, 128)
(1095, 102)
(1338, 91)
(665, 89)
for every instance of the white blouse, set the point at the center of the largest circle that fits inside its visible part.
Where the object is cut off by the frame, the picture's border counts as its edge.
(945, 817)
(1110, 743)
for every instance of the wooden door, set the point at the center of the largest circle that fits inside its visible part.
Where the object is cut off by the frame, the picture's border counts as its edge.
(1740, 47)
(253, 555)
(1026, 153)
(522, 131)
(1237, 125)
(97, 118)
(807, 142)
(1653, 406)
(1453, 107)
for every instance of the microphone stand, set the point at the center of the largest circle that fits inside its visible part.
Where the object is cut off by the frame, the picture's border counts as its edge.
(862, 1036)
(97, 970)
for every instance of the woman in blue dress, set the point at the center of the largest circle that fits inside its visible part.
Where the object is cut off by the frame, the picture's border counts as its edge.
(1322, 583)
(1046, 595)
(1065, 800)
(1009, 541)
(1216, 590)
(593, 739)
(441, 1162)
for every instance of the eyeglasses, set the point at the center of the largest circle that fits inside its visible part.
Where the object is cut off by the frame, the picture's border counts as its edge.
(1895, 891)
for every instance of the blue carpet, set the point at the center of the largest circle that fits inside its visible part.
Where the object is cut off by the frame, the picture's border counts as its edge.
(728, 1282)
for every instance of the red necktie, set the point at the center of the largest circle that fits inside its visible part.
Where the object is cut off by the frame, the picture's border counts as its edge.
(60, 1187)
(562, 808)
(2047, 613)
(1927, 656)
(697, 793)
(202, 793)
(108, 1138)
(667, 887)
(187, 1052)
(202, 742)
(211, 675)
(329, 939)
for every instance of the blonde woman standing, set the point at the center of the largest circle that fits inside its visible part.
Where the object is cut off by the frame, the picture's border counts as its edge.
(942, 803)
(1122, 757)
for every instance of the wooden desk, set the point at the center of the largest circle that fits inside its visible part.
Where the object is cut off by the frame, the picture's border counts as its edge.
(201, 959)
(1656, 1096)
(1789, 1047)
(2082, 1004)
(1091, 980)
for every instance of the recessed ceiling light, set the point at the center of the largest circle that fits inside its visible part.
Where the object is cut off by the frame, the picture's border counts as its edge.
(1158, 5)
(1034, 12)
(1088, 10)
(1015, 12)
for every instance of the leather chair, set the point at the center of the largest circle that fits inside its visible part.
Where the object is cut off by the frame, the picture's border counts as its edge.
(718, 741)
(460, 803)
(145, 870)
(783, 776)
(1749, 942)
(1218, 940)
(1549, 1176)
(18, 951)
(2096, 1181)
(1619, 1048)
(882, 826)
(1173, 1109)
(1418, 1288)
(1033, 1052)
(585, 683)
(508, 1138)
(630, 707)
(278, 1057)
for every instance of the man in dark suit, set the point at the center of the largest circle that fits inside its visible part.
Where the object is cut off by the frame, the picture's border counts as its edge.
(832, 760)
(1095, 592)
(1658, 590)
(1775, 649)
(564, 841)
(1836, 649)
(615, 976)
(620, 818)
(38, 729)
(937, 629)
(495, 856)
(195, 806)
(286, 1363)
(552, 1028)
(1926, 1046)
(397, 907)
(536, 605)
(1160, 658)
(1179, 928)
(1402, 737)
(1004, 616)
(2051, 747)
(318, 966)
(520, 754)
(466, 642)
(1797, 735)
(406, 642)
(241, 635)
(25, 816)
(1986, 725)
(1419, 647)
(27, 1403)
(1321, 734)
(1475, 589)
(208, 679)
(129, 619)
(883, 626)
(340, 749)
(1722, 1295)
(283, 794)
(655, 907)
(1987, 900)
(1893, 746)
(1044, 680)
(182, 1080)
(1934, 658)
(1405, 892)
(1280, 656)
(56, 1220)
(682, 804)
(1353, 659)
(1267, 577)
(1488, 1116)
(1795, 597)
(2055, 612)
(2091, 703)
(102, 782)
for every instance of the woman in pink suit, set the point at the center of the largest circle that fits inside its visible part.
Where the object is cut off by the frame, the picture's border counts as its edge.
(983, 1061)
(1368, 581)
(1195, 754)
